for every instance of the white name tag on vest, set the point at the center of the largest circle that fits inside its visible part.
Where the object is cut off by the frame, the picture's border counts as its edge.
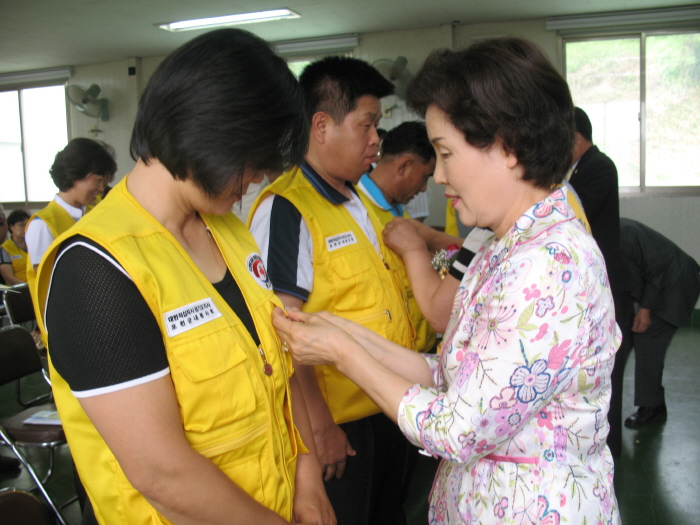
(191, 316)
(340, 240)
(15, 257)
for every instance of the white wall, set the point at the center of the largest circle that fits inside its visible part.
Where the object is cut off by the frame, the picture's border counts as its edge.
(123, 92)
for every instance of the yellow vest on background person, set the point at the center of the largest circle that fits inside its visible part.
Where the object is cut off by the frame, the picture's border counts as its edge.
(451, 220)
(233, 413)
(351, 280)
(18, 257)
(58, 221)
(425, 335)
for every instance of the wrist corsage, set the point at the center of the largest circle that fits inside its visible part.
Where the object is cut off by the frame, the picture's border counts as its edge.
(442, 259)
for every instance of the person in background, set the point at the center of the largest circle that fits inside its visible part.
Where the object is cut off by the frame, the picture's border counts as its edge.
(80, 171)
(516, 402)
(406, 163)
(3, 225)
(13, 252)
(665, 284)
(323, 251)
(594, 177)
(177, 401)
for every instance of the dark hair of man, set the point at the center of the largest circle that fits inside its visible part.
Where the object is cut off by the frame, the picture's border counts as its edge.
(333, 85)
(408, 137)
(17, 216)
(219, 104)
(80, 158)
(583, 124)
(503, 88)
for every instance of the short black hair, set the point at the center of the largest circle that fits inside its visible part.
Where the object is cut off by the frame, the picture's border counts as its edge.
(583, 124)
(507, 89)
(408, 137)
(81, 157)
(219, 104)
(333, 84)
(17, 216)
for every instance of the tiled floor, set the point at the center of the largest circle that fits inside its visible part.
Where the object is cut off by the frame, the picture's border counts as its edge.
(657, 479)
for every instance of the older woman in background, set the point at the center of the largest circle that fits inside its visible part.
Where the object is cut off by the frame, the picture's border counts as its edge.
(515, 403)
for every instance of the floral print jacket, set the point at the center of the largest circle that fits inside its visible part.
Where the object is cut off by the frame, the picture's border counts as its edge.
(519, 410)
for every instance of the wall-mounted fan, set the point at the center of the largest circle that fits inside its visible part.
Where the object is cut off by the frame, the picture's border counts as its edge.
(395, 72)
(86, 101)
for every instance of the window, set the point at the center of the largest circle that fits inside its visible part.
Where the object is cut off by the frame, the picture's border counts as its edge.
(642, 94)
(33, 129)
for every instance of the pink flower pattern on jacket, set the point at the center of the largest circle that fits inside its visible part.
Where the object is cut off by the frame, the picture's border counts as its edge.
(522, 382)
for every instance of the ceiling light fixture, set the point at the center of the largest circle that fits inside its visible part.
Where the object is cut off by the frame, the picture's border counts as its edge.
(230, 20)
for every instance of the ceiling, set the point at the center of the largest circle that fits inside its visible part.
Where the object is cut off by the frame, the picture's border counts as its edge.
(37, 34)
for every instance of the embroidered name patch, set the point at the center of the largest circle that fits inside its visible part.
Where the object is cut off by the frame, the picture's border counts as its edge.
(256, 267)
(191, 316)
(340, 240)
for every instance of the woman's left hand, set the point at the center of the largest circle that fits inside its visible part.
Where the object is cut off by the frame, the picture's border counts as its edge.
(312, 339)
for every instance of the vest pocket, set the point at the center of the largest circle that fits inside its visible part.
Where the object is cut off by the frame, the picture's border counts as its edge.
(212, 379)
(349, 274)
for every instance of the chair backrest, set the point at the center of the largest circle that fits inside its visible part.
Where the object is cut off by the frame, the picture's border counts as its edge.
(18, 354)
(18, 507)
(18, 304)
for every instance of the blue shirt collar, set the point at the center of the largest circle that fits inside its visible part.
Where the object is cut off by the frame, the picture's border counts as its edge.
(322, 187)
(377, 196)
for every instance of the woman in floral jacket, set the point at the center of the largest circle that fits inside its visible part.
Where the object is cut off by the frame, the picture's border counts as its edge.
(516, 402)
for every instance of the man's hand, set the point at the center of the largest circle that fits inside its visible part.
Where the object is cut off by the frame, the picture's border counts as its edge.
(333, 448)
(642, 321)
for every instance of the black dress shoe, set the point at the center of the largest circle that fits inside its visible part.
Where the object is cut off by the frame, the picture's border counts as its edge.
(8, 464)
(647, 416)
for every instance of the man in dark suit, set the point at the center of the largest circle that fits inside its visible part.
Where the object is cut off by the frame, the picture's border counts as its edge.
(594, 178)
(665, 285)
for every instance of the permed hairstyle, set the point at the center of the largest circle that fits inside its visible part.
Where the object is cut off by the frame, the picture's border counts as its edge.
(219, 104)
(17, 216)
(80, 158)
(408, 137)
(582, 124)
(503, 88)
(333, 85)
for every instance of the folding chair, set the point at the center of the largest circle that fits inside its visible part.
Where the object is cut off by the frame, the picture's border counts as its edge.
(18, 507)
(18, 304)
(19, 309)
(18, 359)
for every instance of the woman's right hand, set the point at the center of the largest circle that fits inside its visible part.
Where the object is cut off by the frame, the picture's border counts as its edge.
(312, 339)
(402, 235)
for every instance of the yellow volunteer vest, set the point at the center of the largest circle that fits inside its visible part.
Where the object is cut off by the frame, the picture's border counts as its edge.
(425, 335)
(451, 220)
(232, 412)
(18, 257)
(351, 280)
(58, 221)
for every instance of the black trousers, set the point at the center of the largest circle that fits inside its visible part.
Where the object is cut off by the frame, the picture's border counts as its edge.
(375, 483)
(649, 354)
(624, 316)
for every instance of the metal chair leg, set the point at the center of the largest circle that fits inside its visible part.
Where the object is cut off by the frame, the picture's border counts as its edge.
(37, 481)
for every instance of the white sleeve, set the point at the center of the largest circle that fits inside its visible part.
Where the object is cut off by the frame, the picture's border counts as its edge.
(38, 238)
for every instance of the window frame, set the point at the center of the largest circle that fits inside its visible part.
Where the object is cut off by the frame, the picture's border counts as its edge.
(641, 34)
(17, 88)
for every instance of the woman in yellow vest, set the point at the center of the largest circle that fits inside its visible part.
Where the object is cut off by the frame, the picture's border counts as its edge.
(13, 252)
(177, 400)
(80, 172)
